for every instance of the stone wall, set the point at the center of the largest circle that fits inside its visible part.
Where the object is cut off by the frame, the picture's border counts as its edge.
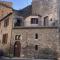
(47, 38)
(45, 8)
(5, 30)
(3, 9)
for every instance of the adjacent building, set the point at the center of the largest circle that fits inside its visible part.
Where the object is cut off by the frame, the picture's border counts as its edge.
(5, 8)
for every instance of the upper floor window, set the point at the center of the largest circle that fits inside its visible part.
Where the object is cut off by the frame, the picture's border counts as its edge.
(36, 36)
(17, 37)
(4, 39)
(46, 21)
(18, 22)
(6, 22)
(34, 20)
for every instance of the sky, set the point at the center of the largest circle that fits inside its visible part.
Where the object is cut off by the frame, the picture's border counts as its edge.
(20, 4)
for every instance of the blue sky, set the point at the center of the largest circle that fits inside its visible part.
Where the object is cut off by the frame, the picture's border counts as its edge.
(19, 4)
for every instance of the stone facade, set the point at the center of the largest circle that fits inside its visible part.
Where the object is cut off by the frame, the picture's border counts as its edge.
(47, 38)
(5, 30)
(28, 40)
(4, 10)
(45, 8)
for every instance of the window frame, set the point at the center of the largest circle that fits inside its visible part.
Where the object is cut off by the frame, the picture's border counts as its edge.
(6, 22)
(5, 38)
(46, 20)
(17, 37)
(0, 24)
(34, 20)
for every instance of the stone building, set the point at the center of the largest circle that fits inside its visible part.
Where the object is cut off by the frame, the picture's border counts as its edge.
(5, 8)
(46, 8)
(25, 37)
(30, 37)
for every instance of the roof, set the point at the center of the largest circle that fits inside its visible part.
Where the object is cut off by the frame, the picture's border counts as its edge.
(23, 12)
(6, 16)
(4, 3)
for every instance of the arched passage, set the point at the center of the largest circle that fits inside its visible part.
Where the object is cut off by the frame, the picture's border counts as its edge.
(17, 49)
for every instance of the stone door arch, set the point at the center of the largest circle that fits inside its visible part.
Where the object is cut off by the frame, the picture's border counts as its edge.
(17, 49)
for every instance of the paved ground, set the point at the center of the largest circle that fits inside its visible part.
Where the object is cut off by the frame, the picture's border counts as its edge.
(21, 59)
(16, 58)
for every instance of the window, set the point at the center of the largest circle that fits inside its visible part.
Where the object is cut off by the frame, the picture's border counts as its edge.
(34, 20)
(36, 47)
(0, 24)
(6, 22)
(51, 19)
(5, 37)
(18, 22)
(17, 37)
(36, 36)
(46, 21)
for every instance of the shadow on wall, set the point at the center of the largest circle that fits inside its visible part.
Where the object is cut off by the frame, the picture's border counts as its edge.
(30, 52)
(47, 53)
(42, 53)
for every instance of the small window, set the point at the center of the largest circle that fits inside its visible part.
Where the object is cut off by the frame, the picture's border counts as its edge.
(6, 22)
(51, 19)
(34, 20)
(5, 37)
(0, 24)
(36, 36)
(17, 37)
(36, 47)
